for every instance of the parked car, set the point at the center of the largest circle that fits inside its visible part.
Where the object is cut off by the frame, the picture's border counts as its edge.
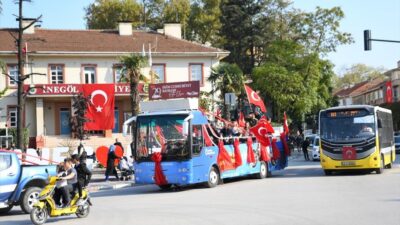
(20, 184)
(315, 149)
(397, 143)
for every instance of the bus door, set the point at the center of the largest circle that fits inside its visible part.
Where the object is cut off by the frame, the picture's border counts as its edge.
(199, 159)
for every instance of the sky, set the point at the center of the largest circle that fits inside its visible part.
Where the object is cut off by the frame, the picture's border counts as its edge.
(382, 17)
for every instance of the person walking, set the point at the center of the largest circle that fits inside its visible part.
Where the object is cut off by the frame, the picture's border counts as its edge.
(111, 157)
(305, 145)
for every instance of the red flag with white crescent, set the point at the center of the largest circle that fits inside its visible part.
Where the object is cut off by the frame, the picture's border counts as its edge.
(255, 99)
(261, 131)
(389, 92)
(100, 111)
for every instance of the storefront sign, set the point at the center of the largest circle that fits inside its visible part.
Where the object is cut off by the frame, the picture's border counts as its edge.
(71, 89)
(189, 89)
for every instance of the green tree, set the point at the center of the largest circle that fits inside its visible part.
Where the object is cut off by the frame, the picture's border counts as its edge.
(358, 73)
(204, 22)
(132, 64)
(226, 78)
(241, 25)
(105, 14)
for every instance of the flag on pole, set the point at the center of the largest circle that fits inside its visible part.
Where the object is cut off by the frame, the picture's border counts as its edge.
(150, 59)
(285, 124)
(254, 98)
(143, 51)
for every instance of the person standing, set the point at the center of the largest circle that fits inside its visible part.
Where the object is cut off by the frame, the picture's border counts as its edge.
(111, 157)
(83, 173)
(305, 145)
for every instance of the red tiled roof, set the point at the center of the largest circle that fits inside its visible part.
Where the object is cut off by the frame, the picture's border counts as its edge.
(371, 85)
(46, 40)
(348, 91)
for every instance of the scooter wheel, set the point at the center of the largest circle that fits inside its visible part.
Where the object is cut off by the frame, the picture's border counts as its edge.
(83, 210)
(39, 215)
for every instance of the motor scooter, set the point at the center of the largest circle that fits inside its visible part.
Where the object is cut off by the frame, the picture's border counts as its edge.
(46, 207)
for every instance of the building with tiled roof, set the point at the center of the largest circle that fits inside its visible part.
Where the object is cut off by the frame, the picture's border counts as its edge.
(345, 95)
(71, 57)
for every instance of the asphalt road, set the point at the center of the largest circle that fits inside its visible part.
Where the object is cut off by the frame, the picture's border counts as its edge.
(301, 194)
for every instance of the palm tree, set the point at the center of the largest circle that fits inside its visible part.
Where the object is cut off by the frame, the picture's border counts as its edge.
(228, 78)
(131, 73)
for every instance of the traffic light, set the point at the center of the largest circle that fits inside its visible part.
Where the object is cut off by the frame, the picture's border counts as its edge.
(367, 40)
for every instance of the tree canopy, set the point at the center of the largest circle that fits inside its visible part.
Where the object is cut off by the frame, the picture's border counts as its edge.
(357, 73)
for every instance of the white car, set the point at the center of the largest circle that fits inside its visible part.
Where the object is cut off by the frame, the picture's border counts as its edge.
(315, 149)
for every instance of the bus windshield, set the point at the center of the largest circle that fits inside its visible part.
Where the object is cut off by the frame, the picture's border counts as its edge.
(161, 134)
(347, 127)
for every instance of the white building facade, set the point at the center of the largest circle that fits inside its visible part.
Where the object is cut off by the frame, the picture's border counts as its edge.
(68, 58)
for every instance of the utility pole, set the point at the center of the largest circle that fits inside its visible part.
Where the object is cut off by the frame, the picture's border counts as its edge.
(21, 76)
(20, 82)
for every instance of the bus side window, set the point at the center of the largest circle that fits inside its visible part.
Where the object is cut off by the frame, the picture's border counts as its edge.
(197, 139)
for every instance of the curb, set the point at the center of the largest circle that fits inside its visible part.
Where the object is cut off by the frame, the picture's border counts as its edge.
(103, 187)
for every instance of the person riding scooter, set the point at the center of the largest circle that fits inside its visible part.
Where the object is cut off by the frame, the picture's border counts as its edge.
(71, 178)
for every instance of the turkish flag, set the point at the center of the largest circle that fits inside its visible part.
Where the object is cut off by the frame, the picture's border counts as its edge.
(238, 156)
(224, 159)
(285, 124)
(100, 111)
(241, 121)
(349, 153)
(276, 154)
(254, 98)
(389, 92)
(261, 131)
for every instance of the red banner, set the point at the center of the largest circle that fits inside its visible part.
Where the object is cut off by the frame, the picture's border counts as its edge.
(100, 112)
(389, 92)
(189, 89)
(71, 89)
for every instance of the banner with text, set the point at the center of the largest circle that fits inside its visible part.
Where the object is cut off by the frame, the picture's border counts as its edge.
(189, 89)
(71, 89)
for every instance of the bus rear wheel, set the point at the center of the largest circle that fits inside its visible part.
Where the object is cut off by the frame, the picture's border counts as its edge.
(213, 178)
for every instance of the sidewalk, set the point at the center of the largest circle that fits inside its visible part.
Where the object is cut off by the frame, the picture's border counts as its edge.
(98, 182)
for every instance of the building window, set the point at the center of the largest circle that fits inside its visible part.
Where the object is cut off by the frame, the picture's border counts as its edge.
(118, 74)
(380, 94)
(57, 74)
(196, 72)
(396, 92)
(12, 116)
(13, 72)
(376, 95)
(159, 70)
(90, 74)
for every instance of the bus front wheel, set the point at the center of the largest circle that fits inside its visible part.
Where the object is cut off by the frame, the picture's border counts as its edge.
(328, 172)
(213, 178)
(381, 168)
(263, 171)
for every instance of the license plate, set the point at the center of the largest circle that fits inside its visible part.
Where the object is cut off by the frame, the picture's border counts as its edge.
(348, 163)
